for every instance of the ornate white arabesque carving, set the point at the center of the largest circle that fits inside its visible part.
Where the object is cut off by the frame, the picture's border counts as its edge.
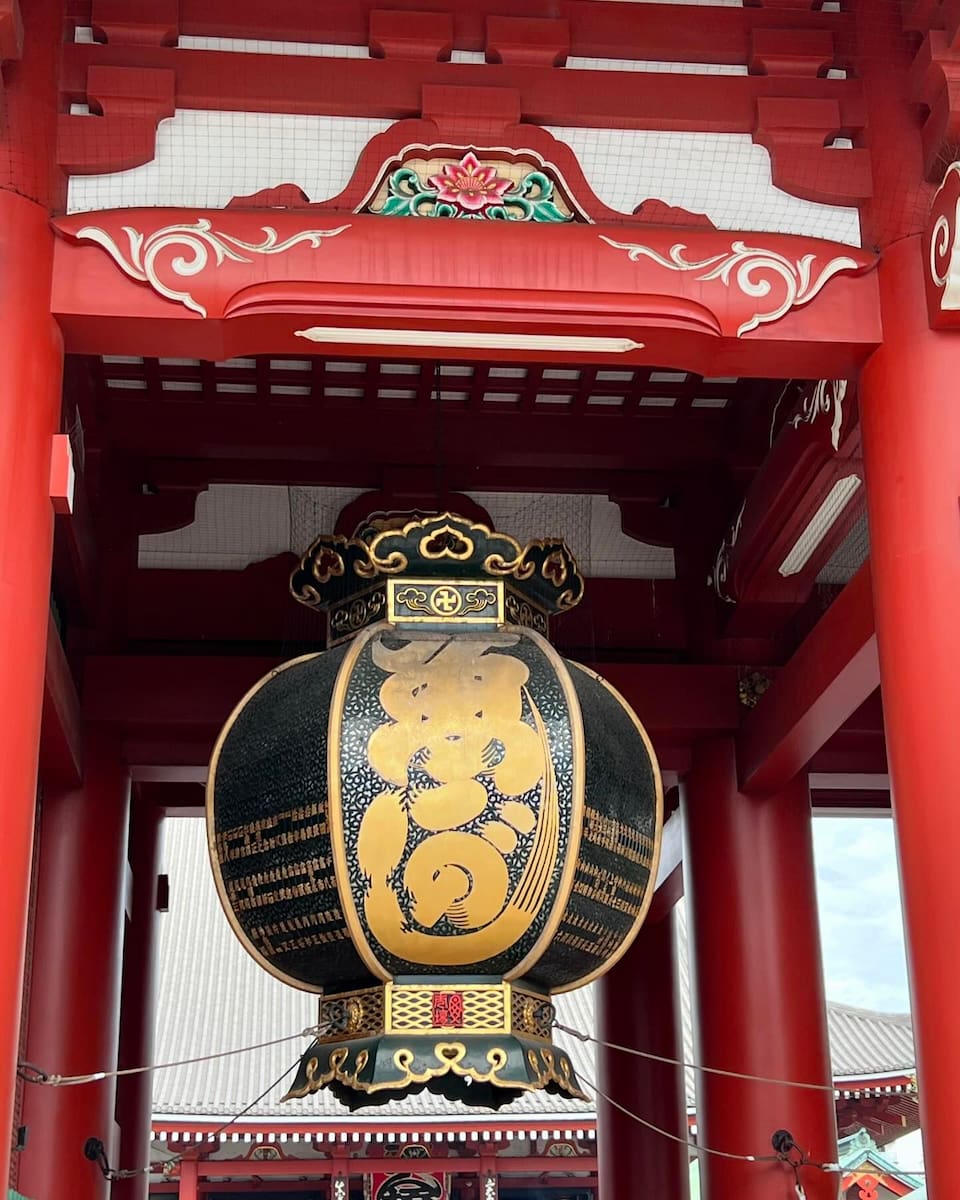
(199, 241)
(945, 247)
(738, 267)
(721, 567)
(825, 399)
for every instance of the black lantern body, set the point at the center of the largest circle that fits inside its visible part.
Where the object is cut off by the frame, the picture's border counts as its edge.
(439, 822)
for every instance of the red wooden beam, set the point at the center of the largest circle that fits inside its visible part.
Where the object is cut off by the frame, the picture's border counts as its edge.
(831, 674)
(598, 29)
(321, 1168)
(392, 89)
(170, 709)
(61, 734)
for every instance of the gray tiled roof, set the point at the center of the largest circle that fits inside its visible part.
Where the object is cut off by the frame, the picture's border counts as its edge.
(213, 996)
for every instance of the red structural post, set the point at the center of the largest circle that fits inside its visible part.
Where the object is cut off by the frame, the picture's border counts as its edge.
(638, 1006)
(74, 1016)
(911, 431)
(138, 1008)
(189, 1188)
(757, 981)
(29, 416)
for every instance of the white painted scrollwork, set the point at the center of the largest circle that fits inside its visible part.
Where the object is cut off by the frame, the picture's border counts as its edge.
(721, 566)
(824, 399)
(197, 243)
(945, 246)
(740, 266)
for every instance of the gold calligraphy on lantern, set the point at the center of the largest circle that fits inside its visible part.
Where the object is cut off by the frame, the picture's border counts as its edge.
(457, 758)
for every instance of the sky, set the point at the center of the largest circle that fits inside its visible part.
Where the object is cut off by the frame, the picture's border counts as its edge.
(860, 918)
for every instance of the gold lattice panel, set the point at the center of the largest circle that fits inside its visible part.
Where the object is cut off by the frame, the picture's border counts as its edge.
(477, 1008)
(532, 1015)
(352, 1014)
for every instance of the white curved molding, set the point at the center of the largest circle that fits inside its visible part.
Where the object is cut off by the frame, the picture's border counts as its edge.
(944, 249)
(198, 241)
(721, 566)
(824, 400)
(738, 267)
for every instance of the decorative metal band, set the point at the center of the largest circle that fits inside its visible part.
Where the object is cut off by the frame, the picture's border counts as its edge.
(429, 1009)
(531, 1016)
(451, 602)
(519, 611)
(354, 614)
(356, 1014)
(466, 1008)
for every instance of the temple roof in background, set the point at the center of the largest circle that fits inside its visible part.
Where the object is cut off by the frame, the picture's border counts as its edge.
(213, 996)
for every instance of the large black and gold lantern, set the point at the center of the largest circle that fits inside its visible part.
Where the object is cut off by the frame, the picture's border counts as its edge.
(439, 821)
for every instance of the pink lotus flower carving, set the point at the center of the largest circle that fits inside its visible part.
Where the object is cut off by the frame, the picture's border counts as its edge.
(469, 184)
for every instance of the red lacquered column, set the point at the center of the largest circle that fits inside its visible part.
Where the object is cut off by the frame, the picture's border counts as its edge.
(138, 1007)
(910, 410)
(757, 980)
(29, 416)
(74, 1017)
(638, 1005)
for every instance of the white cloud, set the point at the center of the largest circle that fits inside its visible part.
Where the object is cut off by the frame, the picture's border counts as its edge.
(860, 918)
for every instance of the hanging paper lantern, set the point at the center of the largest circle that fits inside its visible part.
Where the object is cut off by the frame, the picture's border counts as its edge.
(439, 821)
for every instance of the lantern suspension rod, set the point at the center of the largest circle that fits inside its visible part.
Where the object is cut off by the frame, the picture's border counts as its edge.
(677, 1062)
(30, 1073)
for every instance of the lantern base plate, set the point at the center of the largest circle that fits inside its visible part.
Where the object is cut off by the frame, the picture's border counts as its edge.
(485, 1071)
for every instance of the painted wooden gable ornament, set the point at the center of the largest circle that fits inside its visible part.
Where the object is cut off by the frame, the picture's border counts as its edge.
(439, 821)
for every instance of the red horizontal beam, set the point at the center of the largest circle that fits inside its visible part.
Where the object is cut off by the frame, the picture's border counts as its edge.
(831, 674)
(390, 89)
(170, 708)
(159, 693)
(324, 1167)
(493, 1131)
(598, 29)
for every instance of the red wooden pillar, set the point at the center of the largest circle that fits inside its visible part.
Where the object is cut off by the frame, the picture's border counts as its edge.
(29, 416)
(189, 1189)
(911, 425)
(638, 1005)
(138, 1008)
(758, 982)
(74, 1016)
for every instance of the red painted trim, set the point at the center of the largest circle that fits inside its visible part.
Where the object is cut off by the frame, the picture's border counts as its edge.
(829, 677)
(392, 89)
(598, 28)
(322, 1168)
(817, 445)
(412, 274)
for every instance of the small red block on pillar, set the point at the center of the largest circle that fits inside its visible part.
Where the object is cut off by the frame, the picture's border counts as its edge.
(420, 36)
(528, 41)
(122, 23)
(62, 476)
(791, 51)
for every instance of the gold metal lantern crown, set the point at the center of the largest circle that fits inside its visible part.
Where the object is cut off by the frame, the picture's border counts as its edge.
(439, 821)
(433, 571)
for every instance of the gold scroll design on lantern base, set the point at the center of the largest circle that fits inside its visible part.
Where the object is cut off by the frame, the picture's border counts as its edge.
(545, 1065)
(457, 712)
